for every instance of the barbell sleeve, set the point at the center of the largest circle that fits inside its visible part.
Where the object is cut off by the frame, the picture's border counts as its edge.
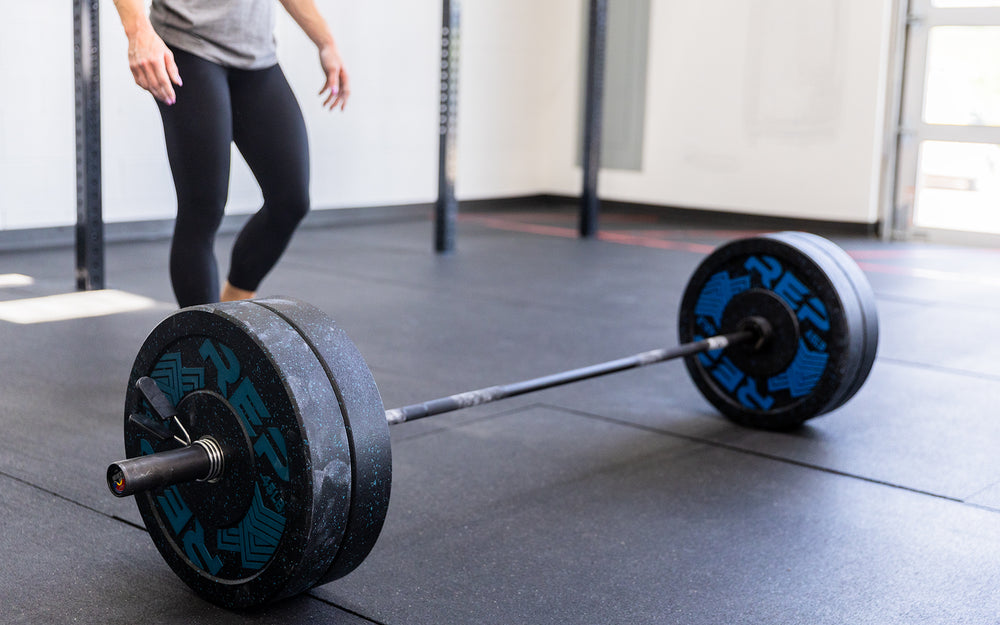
(202, 460)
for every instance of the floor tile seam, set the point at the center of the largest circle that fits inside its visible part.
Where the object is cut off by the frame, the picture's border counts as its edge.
(52, 493)
(982, 507)
(663, 432)
(966, 373)
(313, 595)
(979, 491)
(763, 455)
(698, 440)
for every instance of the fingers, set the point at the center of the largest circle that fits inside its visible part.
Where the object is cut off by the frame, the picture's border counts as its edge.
(337, 86)
(345, 91)
(164, 87)
(154, 69)
(172, 71)
(338, 90)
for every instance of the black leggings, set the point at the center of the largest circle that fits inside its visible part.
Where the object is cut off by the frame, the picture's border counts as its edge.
(257, 110)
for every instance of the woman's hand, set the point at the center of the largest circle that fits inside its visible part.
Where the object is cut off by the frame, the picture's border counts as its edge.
(337, 87)
(153, 67)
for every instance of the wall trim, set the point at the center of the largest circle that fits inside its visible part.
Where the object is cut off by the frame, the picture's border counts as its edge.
(706, 218)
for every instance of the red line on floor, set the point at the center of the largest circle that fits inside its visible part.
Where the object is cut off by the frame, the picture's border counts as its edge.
(515, 226)
(571, 233)
(626, 238)
(660, 244)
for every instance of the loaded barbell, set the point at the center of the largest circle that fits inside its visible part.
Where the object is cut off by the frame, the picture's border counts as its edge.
(258, 447)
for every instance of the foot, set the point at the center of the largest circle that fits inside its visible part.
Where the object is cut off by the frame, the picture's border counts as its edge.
(231, 293)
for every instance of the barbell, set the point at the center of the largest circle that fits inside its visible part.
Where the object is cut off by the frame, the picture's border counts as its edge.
(258, 447)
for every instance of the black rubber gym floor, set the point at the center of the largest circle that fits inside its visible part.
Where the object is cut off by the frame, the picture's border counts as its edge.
(625, 499)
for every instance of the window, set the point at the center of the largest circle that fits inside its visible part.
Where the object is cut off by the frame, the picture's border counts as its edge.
(949, 158)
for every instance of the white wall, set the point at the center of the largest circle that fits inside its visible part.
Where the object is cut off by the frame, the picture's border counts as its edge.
(37, 153)
(757, 106)
(383, 149)
(520, 72)
(771, 107)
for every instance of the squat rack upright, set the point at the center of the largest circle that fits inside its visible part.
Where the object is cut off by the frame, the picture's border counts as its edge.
(89, 212)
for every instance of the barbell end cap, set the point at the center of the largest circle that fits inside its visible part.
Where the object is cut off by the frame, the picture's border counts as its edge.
(117, 483)
(761, 328)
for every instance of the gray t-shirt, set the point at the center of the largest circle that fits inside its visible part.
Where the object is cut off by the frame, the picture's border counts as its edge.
(233, 33)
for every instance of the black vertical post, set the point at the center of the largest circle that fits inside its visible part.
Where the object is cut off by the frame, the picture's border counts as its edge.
(89, 218)
(446, 208)
(592, 115)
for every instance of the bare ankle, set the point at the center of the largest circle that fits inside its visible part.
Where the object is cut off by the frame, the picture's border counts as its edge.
(231, 293)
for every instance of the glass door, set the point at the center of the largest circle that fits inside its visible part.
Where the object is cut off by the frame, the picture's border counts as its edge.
(948, 177)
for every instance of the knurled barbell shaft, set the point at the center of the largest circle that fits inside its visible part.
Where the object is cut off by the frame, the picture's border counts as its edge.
(203, 459)
(494, 393)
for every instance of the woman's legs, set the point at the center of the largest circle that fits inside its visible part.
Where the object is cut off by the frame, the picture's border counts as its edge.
(198, 134)
(258, 111)
(271, 135)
